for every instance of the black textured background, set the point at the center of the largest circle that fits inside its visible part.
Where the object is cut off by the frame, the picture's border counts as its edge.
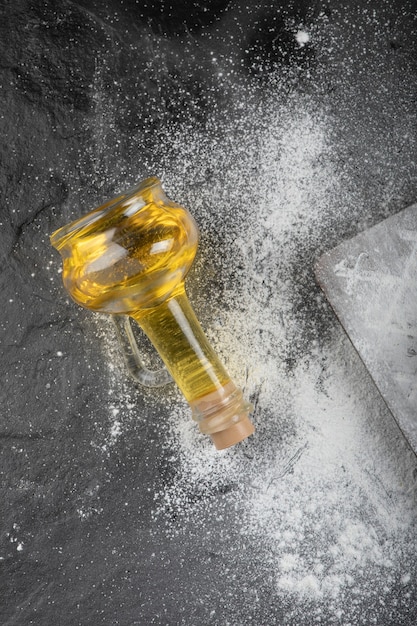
(90, 94)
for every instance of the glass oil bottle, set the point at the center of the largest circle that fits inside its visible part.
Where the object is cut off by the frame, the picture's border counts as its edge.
(129, 258)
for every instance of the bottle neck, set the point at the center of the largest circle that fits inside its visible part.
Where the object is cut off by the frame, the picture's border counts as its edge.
(179, 339)
(217, 404)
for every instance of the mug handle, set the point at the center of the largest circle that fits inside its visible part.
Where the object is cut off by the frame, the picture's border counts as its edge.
(138, 371)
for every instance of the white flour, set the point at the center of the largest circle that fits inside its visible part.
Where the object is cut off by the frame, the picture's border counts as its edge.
(323, 495)
(324, 492)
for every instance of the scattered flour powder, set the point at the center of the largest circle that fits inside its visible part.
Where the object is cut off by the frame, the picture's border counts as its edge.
(318, 488)
(325, 491)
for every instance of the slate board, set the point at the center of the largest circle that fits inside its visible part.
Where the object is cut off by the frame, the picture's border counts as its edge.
(100, 527)
(371, 283)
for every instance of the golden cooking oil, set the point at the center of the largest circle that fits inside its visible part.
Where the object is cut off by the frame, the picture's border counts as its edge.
(130, 257)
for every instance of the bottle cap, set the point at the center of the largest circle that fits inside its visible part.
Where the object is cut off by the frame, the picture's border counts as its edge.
(235, 433)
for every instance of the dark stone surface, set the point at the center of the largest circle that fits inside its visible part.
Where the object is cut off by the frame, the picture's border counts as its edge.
(91, 95)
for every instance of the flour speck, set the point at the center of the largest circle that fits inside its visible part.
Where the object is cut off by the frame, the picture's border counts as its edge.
(302, 37)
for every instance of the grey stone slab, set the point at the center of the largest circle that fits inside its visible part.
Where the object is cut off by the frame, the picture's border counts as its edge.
(111, 513)
(371, 282)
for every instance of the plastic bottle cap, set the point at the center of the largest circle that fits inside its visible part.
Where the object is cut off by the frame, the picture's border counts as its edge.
(235, 433)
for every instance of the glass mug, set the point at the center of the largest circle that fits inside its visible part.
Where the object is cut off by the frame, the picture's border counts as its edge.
(129, 257)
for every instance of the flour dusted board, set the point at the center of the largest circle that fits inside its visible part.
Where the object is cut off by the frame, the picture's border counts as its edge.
(371, 283)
